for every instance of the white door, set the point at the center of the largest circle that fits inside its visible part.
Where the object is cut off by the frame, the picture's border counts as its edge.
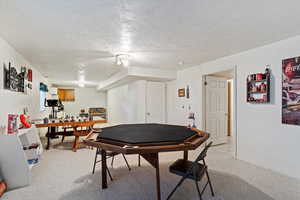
(155, 102)
(216, 109)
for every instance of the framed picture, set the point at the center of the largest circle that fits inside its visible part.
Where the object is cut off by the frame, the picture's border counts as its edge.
(291, 91)
(13, 126)
(181, 92)
(6, 77)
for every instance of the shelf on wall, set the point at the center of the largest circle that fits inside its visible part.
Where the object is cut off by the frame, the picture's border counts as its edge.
(260, 83)
(258, 102)
(257, 92)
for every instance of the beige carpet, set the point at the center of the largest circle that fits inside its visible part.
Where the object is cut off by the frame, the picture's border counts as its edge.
(65, 175)
(139, 185)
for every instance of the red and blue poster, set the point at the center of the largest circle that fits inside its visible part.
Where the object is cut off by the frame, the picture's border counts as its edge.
(291, 91)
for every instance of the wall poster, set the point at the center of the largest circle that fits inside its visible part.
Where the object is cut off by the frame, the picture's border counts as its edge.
(14, 80)
(291, 91)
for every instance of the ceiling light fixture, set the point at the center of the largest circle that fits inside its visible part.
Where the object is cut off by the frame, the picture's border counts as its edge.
(81, 77)
(122, 59)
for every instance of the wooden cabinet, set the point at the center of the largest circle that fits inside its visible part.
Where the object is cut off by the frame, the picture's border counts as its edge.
(66, 94)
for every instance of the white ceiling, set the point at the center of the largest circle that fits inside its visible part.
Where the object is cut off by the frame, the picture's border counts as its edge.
(57, 36)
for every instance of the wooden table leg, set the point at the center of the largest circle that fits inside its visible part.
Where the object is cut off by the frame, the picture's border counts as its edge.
(48, 138)
(48, 143)
(76, 143)
(185, 155)
(104, 169)
(153, 159)
(139, 160)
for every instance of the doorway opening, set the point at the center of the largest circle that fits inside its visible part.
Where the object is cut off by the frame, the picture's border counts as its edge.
(219, 108)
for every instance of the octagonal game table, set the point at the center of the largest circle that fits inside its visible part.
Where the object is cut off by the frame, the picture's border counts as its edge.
(147, 140)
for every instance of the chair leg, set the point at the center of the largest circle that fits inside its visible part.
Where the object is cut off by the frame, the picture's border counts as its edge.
(76, 143)
(109, 174)
(95, 161)
(209, 182)
(126, 162)
(62, 139)
(198, 190)
(139, 160)
(178, 184)
(112, 161)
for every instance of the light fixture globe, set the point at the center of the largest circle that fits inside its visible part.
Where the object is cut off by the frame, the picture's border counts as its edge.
(122, 59)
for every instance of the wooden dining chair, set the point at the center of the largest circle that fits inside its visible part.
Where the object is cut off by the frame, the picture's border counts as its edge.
(82, 129)
(192, 170)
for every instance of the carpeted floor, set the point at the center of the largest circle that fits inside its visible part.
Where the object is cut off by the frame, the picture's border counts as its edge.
(65, 175)
(139, 185)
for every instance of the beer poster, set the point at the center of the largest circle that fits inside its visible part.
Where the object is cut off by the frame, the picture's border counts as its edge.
(291, 91)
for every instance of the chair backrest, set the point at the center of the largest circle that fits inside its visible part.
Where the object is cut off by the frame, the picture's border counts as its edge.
(203, 153)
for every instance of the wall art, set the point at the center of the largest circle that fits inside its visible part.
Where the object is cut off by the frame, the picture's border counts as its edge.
(13, 80)
(291, 91)
(181, 92)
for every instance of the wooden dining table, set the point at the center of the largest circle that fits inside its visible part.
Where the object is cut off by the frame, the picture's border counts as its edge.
(52, 127)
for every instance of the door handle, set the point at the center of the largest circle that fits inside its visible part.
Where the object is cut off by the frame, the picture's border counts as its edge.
(147, 113)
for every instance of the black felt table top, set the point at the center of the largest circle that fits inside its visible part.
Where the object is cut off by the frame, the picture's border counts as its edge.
(146, 133)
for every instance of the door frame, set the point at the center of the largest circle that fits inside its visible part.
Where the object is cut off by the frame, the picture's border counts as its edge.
(234, 132)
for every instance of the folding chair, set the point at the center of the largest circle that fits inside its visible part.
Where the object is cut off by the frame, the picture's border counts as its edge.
(111, 155)
(192, 170)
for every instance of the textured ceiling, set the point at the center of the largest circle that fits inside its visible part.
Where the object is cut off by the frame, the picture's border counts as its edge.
(57, 36)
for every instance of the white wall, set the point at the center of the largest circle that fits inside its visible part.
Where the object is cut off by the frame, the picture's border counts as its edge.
(85, 98)
(262, 139)
(117, 105)
(14, 102)
(178, 108)
(137, 101)
(126, 104)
